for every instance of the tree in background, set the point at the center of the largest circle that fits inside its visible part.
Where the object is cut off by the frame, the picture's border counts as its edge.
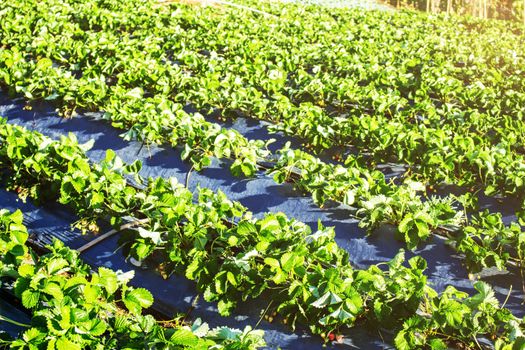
(501, 9)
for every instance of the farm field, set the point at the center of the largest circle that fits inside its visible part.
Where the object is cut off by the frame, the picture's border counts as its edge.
(274, 174)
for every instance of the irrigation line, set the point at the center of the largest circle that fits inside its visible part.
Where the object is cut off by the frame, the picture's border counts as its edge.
(110, 234)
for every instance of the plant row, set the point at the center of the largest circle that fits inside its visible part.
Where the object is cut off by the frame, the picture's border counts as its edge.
(410, 111)
(73, 307)
(157, 119)
(233, 256)
(178, 65)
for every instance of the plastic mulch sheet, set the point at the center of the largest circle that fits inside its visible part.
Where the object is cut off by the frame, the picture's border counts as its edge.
(260, 195)
(12, 312)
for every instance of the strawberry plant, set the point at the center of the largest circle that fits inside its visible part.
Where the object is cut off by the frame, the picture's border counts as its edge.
(442, 95)
(73, 307)
(233, 257)
(143, 79)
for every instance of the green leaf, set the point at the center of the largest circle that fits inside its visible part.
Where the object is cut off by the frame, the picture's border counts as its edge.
(231, 278)
(438, 344)
(136, 299)
(26, 270)
(90, 294)
(98, 327)
(135, 93)
(279, 277)
(184, 337)
(199, 328)
(65, 344)
(30, 298)
(328, 298)
(225, 333)
(406, 224)
(288, 261)
(19, 234)
(108, 279)
(397, 261)
(32, 334)
(485, 295)
(341, 314)
(274, 263)
(55, 265)
(225, 307)
(418, 263)
(349, 197)
(44, 63)
(245, 227)
(54, 290)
